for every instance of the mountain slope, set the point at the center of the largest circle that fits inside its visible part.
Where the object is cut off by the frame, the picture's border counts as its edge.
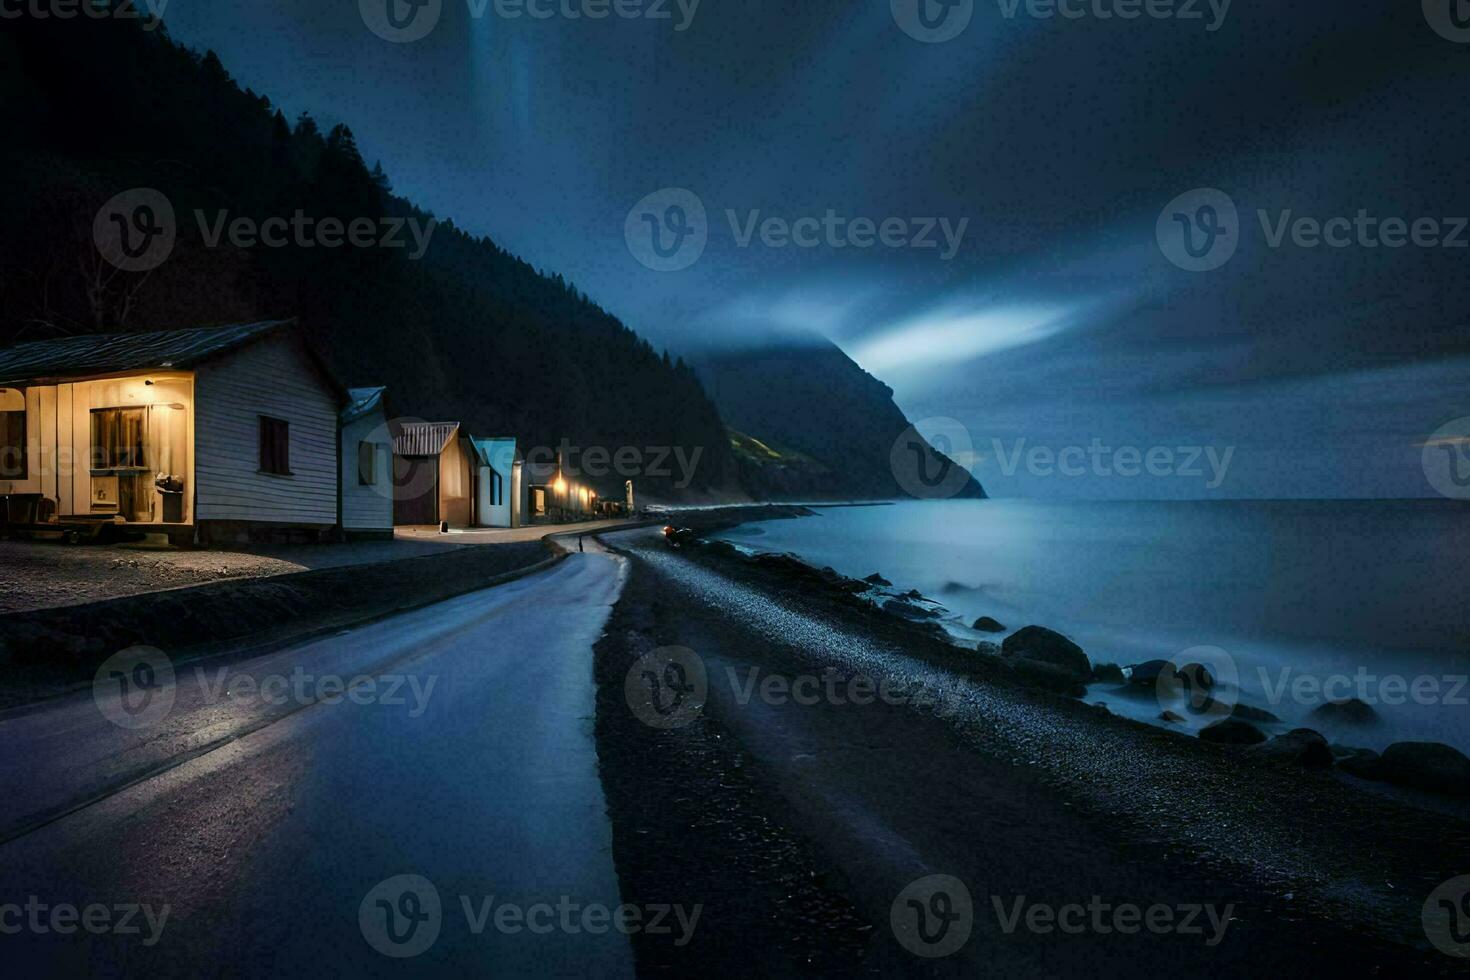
(95, 107)
(824, 427)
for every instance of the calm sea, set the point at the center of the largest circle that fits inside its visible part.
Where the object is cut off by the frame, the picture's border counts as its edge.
(1363, 599)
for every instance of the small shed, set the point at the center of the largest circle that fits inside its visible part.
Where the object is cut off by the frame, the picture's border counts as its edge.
(500, 495)
(433, 478)
(366, 478)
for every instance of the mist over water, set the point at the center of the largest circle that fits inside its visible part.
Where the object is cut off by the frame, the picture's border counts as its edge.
(1358, 598)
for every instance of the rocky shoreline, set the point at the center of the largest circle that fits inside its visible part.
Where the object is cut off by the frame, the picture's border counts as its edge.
(1038, 657)
(1275, 813)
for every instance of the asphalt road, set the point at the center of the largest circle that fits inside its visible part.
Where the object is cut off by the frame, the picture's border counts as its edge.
(262, 825)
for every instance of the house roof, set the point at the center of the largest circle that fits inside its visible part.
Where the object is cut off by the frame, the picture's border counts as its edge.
(498, 452)
(423, 438)
(91, 354)
(360, 401)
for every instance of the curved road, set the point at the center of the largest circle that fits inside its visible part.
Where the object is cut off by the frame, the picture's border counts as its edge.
(272, 827)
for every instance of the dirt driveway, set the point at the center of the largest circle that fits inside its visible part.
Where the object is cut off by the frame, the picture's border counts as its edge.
(45, 574)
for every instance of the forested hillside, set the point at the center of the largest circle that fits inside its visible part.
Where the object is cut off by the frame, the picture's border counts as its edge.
(94, 107)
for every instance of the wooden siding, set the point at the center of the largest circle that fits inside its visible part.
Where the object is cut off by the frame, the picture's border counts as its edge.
(456, 484)
(367, 508)
(276, 378)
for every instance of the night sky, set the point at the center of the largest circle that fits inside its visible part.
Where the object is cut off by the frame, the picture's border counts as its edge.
(1059, 319)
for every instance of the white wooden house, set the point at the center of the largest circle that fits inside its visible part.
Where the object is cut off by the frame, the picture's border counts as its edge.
(500, 493)
(366, 465)
(208, 434)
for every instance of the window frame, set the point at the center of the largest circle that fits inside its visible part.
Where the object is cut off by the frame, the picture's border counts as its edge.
(98, 462)
(370, 477)
(276, 426)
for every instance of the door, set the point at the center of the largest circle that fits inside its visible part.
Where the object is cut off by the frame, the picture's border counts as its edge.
(416, 490)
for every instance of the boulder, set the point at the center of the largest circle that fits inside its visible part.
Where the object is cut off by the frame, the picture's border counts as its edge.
(1431, 766)
(1108, 674)
(1147, 673)
(1300, 747)
(1151, 673)
(1048, 677)
(987, 625)
(1039, 644)
(985, 646)
(1246, 713)
(1170, 716)
(876, 579)
(1353, 712)
(1232, 731)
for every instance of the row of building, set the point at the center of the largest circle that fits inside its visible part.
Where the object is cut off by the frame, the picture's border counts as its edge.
(242, 432)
